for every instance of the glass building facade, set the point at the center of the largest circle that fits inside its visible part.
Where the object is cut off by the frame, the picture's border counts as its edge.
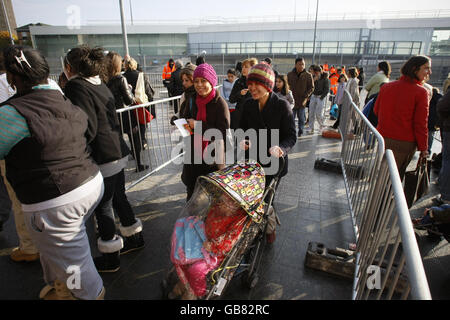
(139, 44)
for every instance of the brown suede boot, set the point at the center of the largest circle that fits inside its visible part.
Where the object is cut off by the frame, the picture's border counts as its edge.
(18, 255)
(59, 291)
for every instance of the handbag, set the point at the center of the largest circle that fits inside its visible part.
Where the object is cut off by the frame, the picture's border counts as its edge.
(334, 110)
(139, 91)
(417, 182)
(144, 116)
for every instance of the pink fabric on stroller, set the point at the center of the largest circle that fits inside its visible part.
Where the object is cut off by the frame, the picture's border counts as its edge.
(223, 225)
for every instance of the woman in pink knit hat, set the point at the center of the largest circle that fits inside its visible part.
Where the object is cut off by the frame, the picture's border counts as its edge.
(209, 111)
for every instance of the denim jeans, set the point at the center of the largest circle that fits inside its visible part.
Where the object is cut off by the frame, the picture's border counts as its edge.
(444, 175)
(121, 204)
(300, 114)
(104, 211)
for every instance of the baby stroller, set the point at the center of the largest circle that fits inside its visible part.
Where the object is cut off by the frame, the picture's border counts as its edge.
(220, 232)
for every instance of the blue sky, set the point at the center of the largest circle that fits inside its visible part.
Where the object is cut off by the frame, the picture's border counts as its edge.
(91, 11)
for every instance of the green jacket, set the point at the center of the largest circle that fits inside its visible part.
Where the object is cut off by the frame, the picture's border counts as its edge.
(373, 86)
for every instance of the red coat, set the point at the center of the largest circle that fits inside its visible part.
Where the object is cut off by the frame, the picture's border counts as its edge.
(402, 111)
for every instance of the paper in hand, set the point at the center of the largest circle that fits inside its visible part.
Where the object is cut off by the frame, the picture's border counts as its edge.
(183, 127)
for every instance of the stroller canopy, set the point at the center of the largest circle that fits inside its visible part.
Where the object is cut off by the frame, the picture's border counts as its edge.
(245, 183)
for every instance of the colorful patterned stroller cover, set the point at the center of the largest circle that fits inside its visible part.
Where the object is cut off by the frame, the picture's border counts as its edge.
(212, 221)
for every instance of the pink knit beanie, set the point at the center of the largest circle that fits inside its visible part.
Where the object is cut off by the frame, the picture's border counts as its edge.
(206, 71)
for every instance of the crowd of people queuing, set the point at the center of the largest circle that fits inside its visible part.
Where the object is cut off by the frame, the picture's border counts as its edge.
(64, 152)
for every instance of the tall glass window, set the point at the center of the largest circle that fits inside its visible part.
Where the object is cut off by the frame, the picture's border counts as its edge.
(295, 47)
(386, 47)
(403, 47)
(248, 47)
(308, 47)
(279, 47)
(347, 47)
(329, 47)
(263, 47)
(441, 42)
(233, 48)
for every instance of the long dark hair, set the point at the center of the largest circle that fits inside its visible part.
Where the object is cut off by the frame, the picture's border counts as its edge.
(85, 61)
(27, 63)
(285, 89)
(411, 66)
(385, 67)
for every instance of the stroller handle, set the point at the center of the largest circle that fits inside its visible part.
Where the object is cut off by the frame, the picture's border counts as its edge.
(277, 176)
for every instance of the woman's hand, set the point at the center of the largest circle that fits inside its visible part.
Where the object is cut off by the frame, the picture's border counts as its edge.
(423, 156)
(244, 92)
(191, 123)
(276, 151)
(244, 144)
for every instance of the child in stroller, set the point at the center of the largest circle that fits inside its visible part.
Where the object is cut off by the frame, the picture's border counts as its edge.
(195, 258)
(215, 229)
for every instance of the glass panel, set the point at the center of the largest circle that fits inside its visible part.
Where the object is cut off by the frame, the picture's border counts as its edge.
(309, 47)
(347, 47)
(263, 47)
(328, 47)
(248, 47)
(295, 47)
(386, 47)
(441, 42)
(279, 47)
(403, 48)
(234, 48)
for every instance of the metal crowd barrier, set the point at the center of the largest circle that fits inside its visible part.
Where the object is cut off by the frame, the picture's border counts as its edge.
(154, 142)
(157, 144)
(361, 155)
(386, 245)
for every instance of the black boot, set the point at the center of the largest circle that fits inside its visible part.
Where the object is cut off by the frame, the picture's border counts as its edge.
(132, 235)
(132, 243)
(109, 261)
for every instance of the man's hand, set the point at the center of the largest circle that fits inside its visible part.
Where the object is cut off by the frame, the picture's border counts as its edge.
(276, 151)
(191, 123)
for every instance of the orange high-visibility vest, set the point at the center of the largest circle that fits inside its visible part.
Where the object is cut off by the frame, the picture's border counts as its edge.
(334, 82)
(167, 71)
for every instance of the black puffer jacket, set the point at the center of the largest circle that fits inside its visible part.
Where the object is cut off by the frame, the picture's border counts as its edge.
(97, 102)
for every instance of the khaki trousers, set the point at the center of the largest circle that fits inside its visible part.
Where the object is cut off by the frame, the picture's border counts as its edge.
(403, 152)
(26, 245)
